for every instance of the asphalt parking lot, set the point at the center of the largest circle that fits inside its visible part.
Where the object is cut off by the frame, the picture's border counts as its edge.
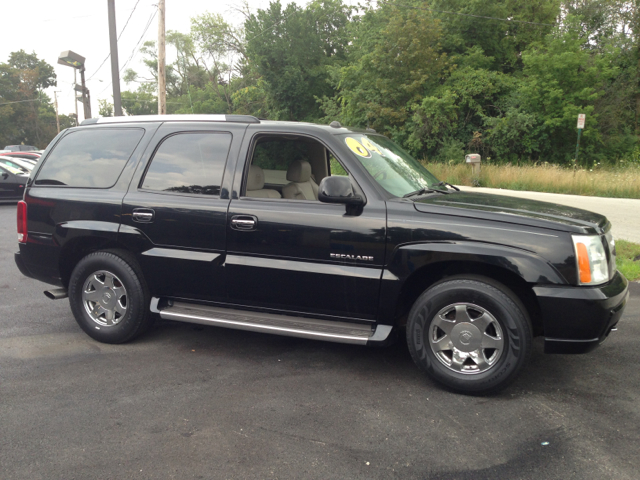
(187, 401)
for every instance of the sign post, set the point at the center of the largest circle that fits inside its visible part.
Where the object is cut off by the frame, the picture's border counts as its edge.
(581, 119)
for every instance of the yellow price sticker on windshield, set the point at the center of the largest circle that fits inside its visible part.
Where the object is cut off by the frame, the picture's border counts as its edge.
(370, 146)
(357, 148)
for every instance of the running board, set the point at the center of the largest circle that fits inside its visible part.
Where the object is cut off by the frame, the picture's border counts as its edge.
(328, 330)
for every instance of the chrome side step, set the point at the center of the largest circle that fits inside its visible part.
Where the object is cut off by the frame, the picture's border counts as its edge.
(340, 332)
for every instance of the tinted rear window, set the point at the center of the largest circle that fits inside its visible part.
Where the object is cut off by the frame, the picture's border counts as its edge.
(92, 158)
(190, 163)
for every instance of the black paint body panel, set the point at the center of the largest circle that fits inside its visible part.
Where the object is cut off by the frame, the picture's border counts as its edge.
(316, 259)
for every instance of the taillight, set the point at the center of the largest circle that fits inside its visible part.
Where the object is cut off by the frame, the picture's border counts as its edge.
(22, 221)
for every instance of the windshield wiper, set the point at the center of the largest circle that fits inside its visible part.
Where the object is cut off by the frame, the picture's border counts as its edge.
(445, 184)
(422, 191)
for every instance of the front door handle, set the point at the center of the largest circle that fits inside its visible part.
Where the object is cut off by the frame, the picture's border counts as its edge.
(143, 215)
(244, 222)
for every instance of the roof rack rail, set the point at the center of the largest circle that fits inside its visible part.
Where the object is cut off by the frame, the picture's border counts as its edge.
(172, 118)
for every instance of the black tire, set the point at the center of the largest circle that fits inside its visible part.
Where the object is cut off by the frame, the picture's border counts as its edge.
(93, 302)
(477, 312)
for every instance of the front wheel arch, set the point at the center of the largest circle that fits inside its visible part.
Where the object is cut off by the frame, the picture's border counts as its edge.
(432, 274)
(451, 349)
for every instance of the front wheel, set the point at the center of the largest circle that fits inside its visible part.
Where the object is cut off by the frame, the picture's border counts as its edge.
(108, 297)
(470, 334)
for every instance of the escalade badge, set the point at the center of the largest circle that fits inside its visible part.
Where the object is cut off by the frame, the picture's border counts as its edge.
(344, 256)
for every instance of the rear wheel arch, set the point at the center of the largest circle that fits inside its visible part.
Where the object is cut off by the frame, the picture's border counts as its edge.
(78, 248)
(109, 296)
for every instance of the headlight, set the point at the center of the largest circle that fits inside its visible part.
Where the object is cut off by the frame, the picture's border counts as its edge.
(592, 259)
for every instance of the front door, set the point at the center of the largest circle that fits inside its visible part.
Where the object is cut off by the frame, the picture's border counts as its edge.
(301, 256)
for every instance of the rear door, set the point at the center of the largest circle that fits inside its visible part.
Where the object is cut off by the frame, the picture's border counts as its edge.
(176, 209)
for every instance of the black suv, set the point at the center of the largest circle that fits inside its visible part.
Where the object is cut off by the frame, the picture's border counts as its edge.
(314, 231)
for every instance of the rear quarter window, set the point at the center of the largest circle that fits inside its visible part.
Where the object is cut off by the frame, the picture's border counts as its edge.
(91, 158)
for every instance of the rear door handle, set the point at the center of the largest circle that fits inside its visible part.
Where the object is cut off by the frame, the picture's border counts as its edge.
(244, 222)
(143, 215)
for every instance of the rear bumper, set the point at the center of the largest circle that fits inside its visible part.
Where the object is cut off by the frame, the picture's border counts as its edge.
(37, 272)
(21, 265)
(578, 319)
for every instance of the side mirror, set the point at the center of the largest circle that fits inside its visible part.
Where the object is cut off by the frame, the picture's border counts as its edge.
(338, 190)
(5, 175)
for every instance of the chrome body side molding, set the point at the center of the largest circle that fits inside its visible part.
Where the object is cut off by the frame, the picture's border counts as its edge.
(181, 254)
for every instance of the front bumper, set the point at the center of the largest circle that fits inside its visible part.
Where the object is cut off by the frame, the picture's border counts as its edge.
(578, 319)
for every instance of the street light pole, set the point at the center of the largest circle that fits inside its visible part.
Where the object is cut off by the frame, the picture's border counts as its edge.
(73, 60)
(86, 99)
(75, 97)
(115, 72)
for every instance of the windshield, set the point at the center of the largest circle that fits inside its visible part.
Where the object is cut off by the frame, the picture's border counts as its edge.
(394, 169)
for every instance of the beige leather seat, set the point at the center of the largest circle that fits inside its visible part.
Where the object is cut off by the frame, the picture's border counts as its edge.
(255, 184)
(302, 186)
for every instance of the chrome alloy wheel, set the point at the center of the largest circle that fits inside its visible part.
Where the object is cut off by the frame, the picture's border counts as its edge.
(104, 298)
(466, 338)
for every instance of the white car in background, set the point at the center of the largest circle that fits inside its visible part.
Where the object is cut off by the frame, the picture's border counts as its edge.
(17, 163)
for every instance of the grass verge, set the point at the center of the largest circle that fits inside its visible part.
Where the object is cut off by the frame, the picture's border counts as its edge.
(601, 182)
(628, 259)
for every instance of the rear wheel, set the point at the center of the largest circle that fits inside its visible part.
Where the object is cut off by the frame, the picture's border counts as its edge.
(469, 333)
(108, 297)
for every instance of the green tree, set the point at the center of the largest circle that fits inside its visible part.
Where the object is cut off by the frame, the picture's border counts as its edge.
(105, 109)
(564, 78)
(473, 26)
(143, 101)
(395, 59)
(25, 110)
(291, 49)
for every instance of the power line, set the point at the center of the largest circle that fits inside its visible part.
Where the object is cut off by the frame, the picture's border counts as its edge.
(121, 32)
(149, 101)
(511, 20)
(133, 52)
(21, 101)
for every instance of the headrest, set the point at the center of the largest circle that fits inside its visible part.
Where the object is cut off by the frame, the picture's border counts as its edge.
(299, 171)
(255, 181)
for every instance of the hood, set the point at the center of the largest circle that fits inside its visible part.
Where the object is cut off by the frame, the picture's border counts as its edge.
(514, 210)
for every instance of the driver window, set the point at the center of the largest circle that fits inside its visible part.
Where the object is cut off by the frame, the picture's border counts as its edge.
(289, 167)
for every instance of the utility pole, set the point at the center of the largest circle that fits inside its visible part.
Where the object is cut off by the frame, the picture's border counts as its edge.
(55, 96)
(162, 86)
(115, 71)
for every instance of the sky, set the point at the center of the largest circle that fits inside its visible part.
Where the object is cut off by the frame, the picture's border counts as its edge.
(49, 27)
